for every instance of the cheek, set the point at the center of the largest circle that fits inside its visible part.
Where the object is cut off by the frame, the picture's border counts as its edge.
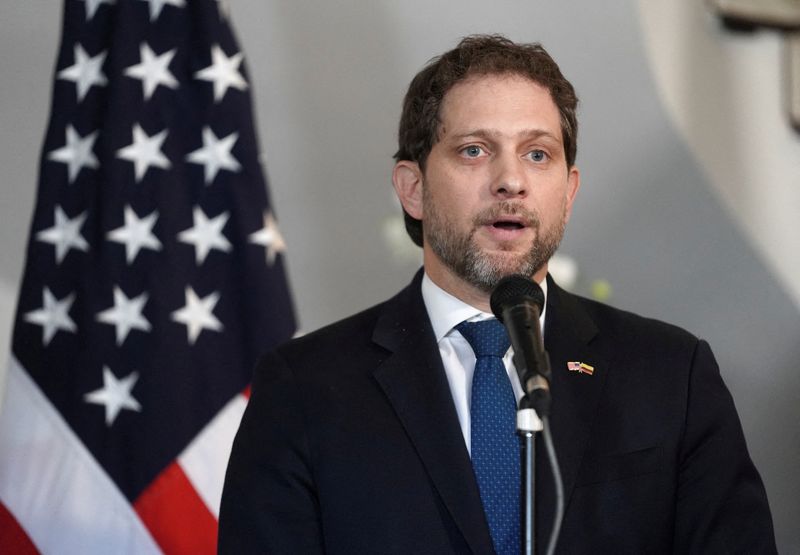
(444, 191)
(456, 192)
(551, 207)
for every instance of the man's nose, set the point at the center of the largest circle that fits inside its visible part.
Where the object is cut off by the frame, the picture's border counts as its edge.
(509, 177)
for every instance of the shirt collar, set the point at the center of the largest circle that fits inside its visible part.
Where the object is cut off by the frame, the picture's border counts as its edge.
(446, 311)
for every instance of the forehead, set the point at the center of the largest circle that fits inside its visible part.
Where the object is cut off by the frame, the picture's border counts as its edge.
(505, 103)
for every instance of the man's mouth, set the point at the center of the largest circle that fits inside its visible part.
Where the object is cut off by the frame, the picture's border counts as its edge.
(507, 221)
(508, 224)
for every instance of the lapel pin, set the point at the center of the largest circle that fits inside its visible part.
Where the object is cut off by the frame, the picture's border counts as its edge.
(580, 367)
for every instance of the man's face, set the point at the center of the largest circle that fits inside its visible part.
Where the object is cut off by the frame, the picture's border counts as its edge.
(496, 192)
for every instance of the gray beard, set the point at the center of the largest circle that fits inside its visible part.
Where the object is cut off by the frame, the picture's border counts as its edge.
(464, 257)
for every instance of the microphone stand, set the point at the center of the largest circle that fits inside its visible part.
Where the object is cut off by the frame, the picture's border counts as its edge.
(528, 423)
(533, 416)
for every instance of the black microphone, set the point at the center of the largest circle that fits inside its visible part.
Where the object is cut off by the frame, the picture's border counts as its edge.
(517, 301)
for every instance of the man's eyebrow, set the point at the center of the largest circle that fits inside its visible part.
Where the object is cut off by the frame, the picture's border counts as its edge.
(483, 133)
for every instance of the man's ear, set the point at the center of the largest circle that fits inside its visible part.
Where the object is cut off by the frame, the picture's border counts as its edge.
(407, 180)
(573, 184)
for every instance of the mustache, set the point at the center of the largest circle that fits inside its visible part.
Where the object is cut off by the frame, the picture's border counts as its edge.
(527, 217)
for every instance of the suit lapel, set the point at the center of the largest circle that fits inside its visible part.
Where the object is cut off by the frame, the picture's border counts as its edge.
(569, 332)
(413, 379)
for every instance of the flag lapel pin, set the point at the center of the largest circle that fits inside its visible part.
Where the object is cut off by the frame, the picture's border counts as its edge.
(580, 367)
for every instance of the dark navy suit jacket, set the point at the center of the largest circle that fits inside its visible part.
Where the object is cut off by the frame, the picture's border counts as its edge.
(351, 444)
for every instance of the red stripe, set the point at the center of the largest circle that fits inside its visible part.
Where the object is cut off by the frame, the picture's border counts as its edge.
(13, 538)
(176, 516)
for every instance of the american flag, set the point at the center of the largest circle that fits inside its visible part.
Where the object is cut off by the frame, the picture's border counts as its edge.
(153, 280)
(581, 367)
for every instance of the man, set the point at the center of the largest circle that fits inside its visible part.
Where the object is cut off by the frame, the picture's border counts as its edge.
(365, 437)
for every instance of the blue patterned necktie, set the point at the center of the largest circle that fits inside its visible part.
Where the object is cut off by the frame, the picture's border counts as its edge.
(496, 450)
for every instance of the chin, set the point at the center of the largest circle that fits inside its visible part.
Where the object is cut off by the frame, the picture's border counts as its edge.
(508, 262)
(506, 265)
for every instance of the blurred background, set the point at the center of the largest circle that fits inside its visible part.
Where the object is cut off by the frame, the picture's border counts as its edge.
(690, 170)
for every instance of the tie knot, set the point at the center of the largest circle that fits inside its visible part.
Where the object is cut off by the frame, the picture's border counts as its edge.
(487, 338)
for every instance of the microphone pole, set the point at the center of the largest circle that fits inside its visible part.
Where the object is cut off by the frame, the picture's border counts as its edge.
(518, 303)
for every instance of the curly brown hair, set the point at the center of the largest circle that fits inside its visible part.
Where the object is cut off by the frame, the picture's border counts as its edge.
(477, 55)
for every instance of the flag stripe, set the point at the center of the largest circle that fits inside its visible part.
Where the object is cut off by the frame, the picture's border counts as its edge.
(13, 538)
(176, 516)
(205, 459)
(69, 505)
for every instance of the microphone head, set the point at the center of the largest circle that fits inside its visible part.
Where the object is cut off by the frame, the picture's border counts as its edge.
(515, 289)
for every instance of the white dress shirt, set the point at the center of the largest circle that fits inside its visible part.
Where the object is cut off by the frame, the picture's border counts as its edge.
(446, 312)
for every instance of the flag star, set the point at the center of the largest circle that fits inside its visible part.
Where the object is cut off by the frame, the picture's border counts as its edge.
(125, 315)
(270, 237)
(53, 316)
(145, 151)
(215, 154)
(197, 315)
(157, 5)
(77, 153)
(65, 234)
(136, 234)
(223, 72)
(153, 70)
(92, 5)
(115, 394)
(86, 71)
(206, 234)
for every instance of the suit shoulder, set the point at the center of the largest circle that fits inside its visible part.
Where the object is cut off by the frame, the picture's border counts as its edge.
(643, 330)
(341, 348)
(643, 348)
(354, 329)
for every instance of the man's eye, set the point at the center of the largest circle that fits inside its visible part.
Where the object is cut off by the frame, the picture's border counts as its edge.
(472, 151)
(538, 155)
